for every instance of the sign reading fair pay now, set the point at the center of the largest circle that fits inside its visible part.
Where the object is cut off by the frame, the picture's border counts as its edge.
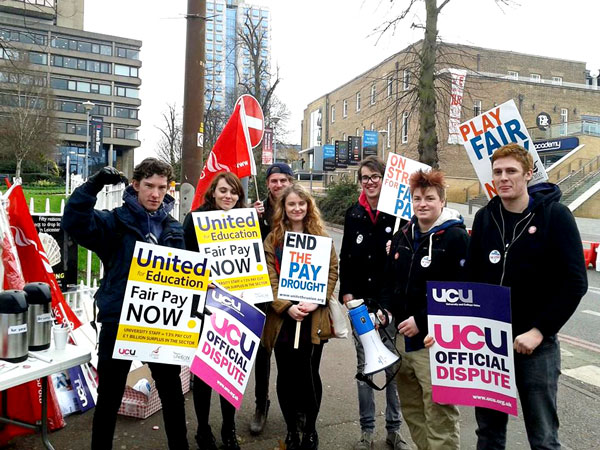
(231, 241)
(165, 288)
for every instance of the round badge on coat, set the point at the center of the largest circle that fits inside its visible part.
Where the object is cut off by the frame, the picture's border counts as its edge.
(532, 229)
(425, 261)
(388, 229)
(359, 238)
(495, 256)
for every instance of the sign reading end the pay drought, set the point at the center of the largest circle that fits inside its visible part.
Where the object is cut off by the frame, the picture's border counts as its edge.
(165, 288)
(304, 268)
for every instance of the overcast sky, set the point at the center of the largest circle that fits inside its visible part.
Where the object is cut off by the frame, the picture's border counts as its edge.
(320, 44)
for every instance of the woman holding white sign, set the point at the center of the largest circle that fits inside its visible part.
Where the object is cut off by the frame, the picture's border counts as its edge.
(224, 193)
(299, 386)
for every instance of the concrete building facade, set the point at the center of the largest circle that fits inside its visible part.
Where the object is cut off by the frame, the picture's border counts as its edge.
(77, 66)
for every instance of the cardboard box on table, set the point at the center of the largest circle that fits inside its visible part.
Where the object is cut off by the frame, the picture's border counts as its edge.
(136, 403)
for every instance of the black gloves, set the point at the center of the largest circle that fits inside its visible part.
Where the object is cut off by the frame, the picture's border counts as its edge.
(107, 175)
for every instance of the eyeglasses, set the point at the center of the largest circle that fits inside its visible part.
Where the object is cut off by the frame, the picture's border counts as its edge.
(373, 179)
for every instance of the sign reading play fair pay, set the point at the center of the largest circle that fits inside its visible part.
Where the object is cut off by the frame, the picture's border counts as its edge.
(231, 240)
(395, 196)
(304, 268)
(165, 288)
(486, 133)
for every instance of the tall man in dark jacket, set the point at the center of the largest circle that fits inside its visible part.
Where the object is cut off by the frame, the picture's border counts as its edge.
(112, 235)
(362, 263)
(526, 240)
(279, 177)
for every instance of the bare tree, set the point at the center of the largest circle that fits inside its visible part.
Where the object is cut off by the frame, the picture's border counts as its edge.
(27, 123)
(425, 88)
(169, 147)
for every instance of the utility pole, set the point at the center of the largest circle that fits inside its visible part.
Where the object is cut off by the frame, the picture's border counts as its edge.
(193, 103)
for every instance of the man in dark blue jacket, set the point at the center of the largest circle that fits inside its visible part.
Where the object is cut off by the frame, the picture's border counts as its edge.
(112, 235)
(526, 240)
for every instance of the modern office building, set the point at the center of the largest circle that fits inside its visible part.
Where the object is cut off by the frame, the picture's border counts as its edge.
(228, 61)
(87, 73)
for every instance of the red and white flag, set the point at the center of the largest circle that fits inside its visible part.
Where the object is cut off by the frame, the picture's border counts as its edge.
(233, 150)
(30, 249)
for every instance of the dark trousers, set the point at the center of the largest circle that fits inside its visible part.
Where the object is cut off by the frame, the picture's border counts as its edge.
(537, 383)
(299, 387)
(202, 393)
(112, 377)
(262, 373)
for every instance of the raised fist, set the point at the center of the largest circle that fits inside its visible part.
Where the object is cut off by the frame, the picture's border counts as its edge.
(107, 175)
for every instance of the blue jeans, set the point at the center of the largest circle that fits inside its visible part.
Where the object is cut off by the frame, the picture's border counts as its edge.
(537, 383)
(366, 396)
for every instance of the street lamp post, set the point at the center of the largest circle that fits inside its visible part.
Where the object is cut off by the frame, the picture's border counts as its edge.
(88, 106)
(275, 120)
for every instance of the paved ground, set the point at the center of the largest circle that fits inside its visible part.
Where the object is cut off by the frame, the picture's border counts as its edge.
(579, 400)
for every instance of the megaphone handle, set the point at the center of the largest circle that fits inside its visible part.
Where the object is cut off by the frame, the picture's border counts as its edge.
(297, 335)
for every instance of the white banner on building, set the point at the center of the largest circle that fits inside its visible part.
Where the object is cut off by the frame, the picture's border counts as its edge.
(456, 97)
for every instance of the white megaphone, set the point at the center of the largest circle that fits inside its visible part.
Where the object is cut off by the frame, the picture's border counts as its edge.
(377, 356)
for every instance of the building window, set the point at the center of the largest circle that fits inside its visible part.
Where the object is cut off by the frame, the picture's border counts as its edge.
(332, 114)
(345, 109)
(357, 131)
(557, 81)
(38, 58)
(357, 101)
(513, 75)
(564, 118)
(476, 108)
(344, 137)
(122, 91)
(332, 141)
(535, 77)
(406, 80)
(126, 71)
(390, 85)
(405, 127)
(372, 126)
(125, 113)
(373, 94)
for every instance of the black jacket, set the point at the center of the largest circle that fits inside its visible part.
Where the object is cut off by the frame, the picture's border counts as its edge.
(362, 257)
(189, 230)
(415, 259)
(112, 236)
(266, 220)
(543, 262)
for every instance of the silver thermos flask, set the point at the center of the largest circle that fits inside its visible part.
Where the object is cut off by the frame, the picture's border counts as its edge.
(39, 322)
(13, 326)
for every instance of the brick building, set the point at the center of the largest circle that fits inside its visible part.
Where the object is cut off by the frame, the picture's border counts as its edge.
(383, 99)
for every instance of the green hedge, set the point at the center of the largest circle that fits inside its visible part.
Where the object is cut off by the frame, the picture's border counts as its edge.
(338, 198)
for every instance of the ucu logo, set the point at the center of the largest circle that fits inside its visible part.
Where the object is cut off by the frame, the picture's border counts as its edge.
(126, 351)
(452, 295)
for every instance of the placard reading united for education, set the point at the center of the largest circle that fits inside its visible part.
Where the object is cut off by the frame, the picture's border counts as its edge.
(486, 133)
(228, 346)
(395, 196)
(165, 288)
(472, 358)
(232, 242)
(304, 268)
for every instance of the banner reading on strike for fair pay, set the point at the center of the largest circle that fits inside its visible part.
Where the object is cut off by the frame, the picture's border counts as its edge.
(231, 240)
(165, 288)
(472, 358)
(486, 133)
(228, 346)
(304, 268)
(395, 196)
